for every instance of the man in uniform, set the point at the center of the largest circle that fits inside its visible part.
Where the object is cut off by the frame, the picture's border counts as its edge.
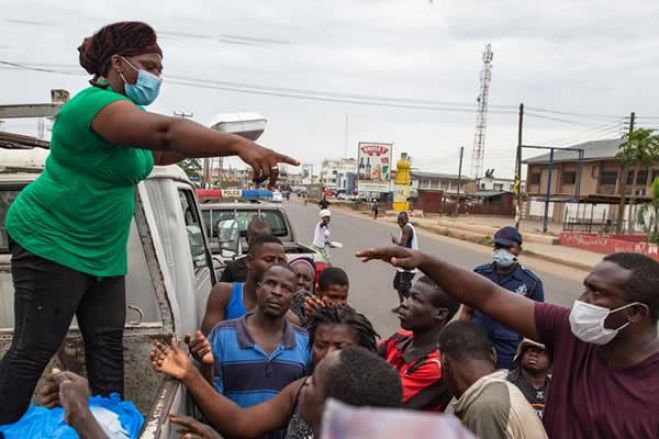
(506, 271)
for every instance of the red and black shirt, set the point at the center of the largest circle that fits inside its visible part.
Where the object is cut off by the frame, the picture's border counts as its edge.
(420, 373)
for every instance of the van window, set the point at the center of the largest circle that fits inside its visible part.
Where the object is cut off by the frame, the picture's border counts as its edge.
(193, 228)
(242, 218)
(7, 196)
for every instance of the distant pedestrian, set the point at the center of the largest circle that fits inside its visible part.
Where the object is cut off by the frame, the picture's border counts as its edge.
(324, 204)
(375, 208)
(532, 373)
(409, 240)
(321, 235)
(506, 271)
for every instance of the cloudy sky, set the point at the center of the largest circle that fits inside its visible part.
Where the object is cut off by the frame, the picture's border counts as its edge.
(400, 71)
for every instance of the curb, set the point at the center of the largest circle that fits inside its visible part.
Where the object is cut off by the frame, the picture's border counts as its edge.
(475, 238)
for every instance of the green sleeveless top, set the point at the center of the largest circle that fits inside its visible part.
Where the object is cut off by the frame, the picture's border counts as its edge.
(78, 211)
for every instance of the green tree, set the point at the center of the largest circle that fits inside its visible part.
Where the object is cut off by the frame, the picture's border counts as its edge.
(640, 148)
(192, 167)
(648, 214)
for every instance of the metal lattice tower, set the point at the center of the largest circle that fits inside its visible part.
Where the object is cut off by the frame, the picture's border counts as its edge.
(478, 152)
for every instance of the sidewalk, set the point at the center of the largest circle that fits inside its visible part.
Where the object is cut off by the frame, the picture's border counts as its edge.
(480, 230)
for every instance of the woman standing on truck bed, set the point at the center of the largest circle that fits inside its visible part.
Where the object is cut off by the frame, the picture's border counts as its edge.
(69, 228)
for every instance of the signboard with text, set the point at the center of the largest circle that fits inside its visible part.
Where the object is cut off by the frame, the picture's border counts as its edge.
(374, 167)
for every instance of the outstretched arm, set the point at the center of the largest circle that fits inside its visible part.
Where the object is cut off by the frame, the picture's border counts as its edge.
(226, 415)
(122, 123)
(471, 289)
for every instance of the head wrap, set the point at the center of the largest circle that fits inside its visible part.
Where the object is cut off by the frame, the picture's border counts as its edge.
(307, 262)
(126, 38)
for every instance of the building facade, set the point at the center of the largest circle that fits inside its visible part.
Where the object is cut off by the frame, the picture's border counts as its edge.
(338, 174)
(590, 189)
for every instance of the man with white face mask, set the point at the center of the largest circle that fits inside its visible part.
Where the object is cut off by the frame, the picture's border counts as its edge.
(506, 271)
(605, 350)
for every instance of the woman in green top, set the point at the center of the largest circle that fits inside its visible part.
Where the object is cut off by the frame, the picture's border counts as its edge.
(69, 228)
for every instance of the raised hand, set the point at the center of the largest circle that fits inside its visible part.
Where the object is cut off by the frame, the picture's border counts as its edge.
(171, 360)
(193, 428)
(200, 348)
(311, 304)
(395, 255)
(264, 161)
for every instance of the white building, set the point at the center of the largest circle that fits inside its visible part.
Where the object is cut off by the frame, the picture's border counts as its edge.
(334, 173)
(495, 184)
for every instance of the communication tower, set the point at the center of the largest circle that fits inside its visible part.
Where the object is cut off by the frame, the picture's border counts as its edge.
(478, 152)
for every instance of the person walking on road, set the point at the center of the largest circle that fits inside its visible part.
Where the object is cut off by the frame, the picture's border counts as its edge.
(69, 228)
(323, 203)
(407, 239)
(321, 235)
(506, 271)
(375, 207)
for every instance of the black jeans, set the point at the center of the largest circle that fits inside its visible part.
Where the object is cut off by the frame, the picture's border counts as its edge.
(47, 296)
(403, 283)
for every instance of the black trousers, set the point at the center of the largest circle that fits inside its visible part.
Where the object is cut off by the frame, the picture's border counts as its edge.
(47, 296)
(403, 283)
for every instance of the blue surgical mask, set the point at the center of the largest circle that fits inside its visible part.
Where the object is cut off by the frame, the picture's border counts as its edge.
(503, 257)
(146, 88)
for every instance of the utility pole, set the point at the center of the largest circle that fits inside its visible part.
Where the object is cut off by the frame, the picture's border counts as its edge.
(457, 205)
(622, 186)
(518, 167)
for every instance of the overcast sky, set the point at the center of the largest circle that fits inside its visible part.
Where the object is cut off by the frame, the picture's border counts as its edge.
(594, 60)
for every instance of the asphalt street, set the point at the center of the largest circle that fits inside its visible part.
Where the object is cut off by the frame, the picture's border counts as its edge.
(371, 290)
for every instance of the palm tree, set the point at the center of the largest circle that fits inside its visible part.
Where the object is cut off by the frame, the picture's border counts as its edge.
(648, 214)
(639, 148)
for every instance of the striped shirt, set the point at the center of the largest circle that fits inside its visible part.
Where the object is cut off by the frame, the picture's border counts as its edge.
(245, 373)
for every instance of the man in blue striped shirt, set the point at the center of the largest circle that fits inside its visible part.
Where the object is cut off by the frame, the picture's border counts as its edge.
(257, 355)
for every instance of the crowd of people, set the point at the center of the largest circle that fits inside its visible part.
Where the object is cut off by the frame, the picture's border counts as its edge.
(253, 371)
(276, 343)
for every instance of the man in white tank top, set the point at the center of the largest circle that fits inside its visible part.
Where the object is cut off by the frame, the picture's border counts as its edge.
(408, 239)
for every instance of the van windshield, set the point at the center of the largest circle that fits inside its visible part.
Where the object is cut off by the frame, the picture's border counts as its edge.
(240, 220)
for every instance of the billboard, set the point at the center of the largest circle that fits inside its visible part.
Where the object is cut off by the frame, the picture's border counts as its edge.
(374, 167)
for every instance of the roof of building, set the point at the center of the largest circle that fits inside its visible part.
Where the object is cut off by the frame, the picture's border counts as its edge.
(593, 150)
(440, 176)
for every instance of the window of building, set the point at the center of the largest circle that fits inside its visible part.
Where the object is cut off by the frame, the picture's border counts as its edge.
(608, 177)
(498, 187)
(535, 178)
(569, 177)
(641, 177)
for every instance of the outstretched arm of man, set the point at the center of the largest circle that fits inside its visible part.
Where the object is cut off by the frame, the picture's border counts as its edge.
(226, 415)
(513, 310)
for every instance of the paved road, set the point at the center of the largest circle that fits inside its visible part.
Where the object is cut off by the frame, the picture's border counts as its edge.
(371, 291)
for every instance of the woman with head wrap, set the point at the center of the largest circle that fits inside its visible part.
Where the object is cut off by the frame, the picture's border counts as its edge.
(69, 228)
(306, 280)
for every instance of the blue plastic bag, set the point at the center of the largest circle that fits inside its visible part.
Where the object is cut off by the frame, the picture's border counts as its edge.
(41, 422)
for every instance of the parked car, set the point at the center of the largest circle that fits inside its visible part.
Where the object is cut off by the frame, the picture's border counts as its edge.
(226, 228)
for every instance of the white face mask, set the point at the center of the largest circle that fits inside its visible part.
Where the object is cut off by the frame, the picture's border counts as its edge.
(503, 257)
(587, 322)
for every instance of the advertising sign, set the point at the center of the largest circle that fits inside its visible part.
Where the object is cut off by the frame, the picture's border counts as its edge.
(374, 167)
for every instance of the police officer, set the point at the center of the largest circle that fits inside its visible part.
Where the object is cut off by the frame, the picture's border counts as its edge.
(506, 271)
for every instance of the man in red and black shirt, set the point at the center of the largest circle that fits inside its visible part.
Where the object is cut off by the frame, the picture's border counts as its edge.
(413, 352)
